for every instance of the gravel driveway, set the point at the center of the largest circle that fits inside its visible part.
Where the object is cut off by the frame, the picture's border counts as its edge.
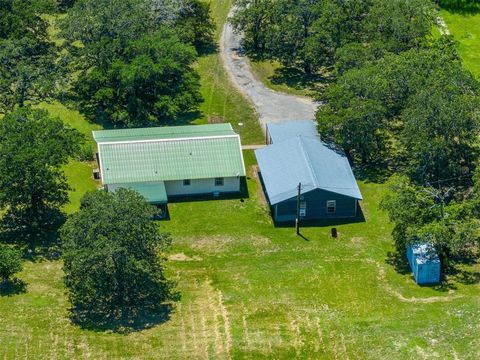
(272, 106)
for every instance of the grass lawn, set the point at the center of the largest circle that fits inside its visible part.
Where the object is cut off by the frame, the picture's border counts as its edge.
(79, 174)
(250, 290)
(463, 21)
(289, 81)
(223, 102)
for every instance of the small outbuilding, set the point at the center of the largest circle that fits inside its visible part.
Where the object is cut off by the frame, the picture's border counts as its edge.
(164, 162)
(425, 263)
(296, 155)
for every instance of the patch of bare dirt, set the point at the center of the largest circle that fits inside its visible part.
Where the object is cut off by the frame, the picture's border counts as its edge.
(215, 119)
(183, 257)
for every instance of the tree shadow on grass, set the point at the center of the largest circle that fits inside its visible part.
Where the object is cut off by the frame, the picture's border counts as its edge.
(35, 242)
(399, 262)
(296, 78)
(12, 287)
(144, 319)
(463, 7)
(461, 269)
(206, 49)
(375, 173)
(47, 247)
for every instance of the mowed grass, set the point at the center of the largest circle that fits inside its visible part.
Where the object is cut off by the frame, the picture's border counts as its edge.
(250, 290)
(223, 102)
(463, 21)
(270, 73)
(79, 173)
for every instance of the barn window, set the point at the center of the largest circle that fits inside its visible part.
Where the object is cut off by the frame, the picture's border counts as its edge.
(187, 182)
(331, 206)
(218, 181)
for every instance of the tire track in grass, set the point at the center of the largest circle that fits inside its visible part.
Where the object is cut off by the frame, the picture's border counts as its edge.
(226, 324)
(194, 331)
(183, 329)
(205, 332)
(218, 344)
(319, 342)
(246, 336)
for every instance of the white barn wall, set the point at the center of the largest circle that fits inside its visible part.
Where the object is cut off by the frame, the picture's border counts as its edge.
(197, 186)
(202, 186)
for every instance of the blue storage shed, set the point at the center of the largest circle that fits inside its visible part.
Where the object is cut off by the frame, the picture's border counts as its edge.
(424, 263)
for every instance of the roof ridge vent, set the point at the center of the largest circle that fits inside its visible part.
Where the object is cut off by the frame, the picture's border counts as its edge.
(307, 160)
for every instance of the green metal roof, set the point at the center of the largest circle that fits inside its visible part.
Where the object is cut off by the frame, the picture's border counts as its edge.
(155, 193)
(178, 158)
(166, 132)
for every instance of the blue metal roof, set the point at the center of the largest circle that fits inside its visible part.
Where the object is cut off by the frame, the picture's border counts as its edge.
(306, 160)
(285, 130)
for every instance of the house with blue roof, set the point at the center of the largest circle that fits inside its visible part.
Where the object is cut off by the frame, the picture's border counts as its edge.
(296, 155)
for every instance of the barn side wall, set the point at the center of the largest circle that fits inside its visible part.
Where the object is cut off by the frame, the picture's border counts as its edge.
(196, 187)
(202, 186)
(316, 202)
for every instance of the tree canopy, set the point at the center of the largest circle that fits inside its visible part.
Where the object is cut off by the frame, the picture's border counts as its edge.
(10, 262)
(419, 105)
(112, 258)
(127, 64)
(33, 149)
(27, 57)
(434, 215)
(309, 34)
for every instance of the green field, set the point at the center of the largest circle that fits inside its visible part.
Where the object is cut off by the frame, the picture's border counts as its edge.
(223, 102)
(463, 20)
(277, 78)
(251, 290)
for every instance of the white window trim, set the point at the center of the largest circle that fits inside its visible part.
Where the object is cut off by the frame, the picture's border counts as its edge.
(330, 204)
(219, 179)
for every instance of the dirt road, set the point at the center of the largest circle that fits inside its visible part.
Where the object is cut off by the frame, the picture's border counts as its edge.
(271, 106)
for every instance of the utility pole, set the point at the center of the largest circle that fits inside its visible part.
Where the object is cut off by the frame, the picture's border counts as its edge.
(297, 220)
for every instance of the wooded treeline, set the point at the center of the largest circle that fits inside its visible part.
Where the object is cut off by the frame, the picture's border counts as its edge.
(398, 101)
(126, 63)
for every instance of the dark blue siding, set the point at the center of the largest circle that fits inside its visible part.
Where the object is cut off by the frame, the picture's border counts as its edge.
(316, 206)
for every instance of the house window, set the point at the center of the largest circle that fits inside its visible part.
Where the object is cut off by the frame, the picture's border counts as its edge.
(303, 209)
(331, 206)
(187, 182)
(218, 181)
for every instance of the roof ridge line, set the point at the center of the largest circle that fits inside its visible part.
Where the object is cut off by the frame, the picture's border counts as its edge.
(307, 159)
(100, 142)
